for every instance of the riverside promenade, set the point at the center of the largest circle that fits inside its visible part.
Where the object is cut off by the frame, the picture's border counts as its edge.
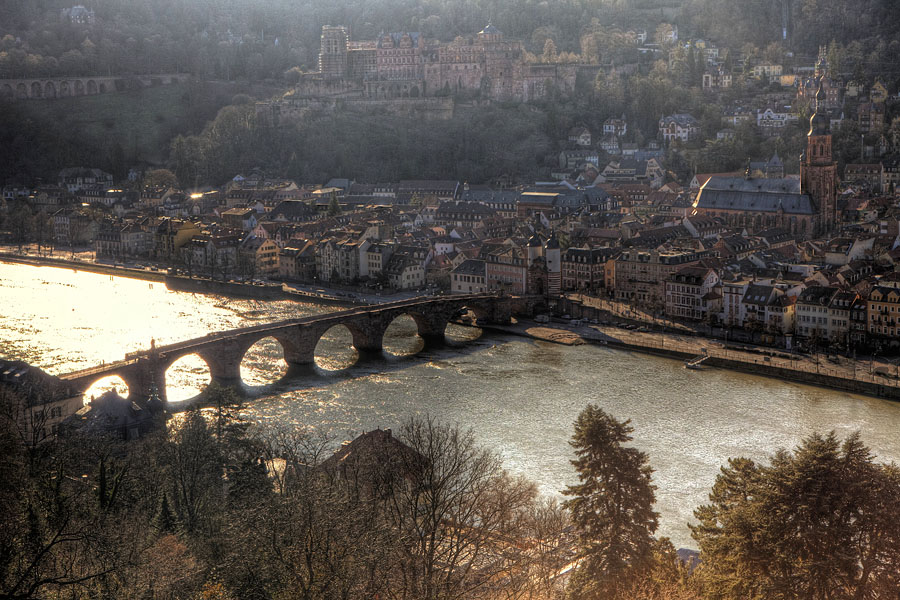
(870, 377)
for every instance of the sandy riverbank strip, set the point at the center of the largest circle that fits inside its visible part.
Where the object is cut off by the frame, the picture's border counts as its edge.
(845, 374)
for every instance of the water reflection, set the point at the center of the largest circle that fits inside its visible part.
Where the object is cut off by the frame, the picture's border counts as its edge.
(114, 383)
(335, 351)
(263, 364)
(186, 378)
(462, 334)
(401, 338)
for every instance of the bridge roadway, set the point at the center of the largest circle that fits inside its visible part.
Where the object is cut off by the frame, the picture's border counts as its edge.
(223, 351)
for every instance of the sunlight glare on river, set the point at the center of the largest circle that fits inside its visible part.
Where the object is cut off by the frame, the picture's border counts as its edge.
(520, 397)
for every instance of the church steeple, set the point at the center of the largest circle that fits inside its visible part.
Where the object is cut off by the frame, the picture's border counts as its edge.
(819, 123)
(818, 170)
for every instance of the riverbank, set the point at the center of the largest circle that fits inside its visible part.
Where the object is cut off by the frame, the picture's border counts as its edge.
(868, 378)
(200, 285)
(82, 265)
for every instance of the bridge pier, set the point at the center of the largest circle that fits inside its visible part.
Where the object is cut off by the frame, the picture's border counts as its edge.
(224, 364)
(368, 339)
(299, 346)
(501, 312)
(431, 328)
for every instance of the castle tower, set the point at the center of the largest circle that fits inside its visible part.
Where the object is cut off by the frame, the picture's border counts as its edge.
(490, 34)
(822, 62)
(554, 266)
(819, 171)
(333, 51)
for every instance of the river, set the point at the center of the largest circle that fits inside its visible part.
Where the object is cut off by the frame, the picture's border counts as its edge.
(519, 396)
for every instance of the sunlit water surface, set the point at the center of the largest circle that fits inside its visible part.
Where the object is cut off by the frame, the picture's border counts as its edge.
(519, 396)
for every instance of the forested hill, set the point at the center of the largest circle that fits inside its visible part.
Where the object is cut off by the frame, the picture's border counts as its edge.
(228, 39)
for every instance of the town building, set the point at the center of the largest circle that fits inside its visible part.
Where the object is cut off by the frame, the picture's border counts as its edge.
(170, 236)
(75, 179)
(813, 314)
(640, 275)
(37, 403)
(297, 262)
(693, 293)
(682, 127)
(883, 314)
(405, 272)
(616, 127)
(717, 79)
(406, 65)
(470, 277)
(864, 174)
(584, 269)
(258, 257)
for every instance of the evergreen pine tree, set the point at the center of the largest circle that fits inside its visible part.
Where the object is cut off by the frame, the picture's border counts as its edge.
(334, 208)
(165, 522)
(611, 506)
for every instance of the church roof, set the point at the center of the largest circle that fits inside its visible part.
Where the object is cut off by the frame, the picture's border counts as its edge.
(490, 30)
(756, 195)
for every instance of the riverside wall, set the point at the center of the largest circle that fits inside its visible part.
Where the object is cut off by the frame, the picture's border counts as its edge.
(80, 265)
(266, 291)
(179, 283)
(857, 378)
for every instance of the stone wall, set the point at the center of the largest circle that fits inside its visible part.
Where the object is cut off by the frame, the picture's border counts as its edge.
(293, 109)
(869, 384)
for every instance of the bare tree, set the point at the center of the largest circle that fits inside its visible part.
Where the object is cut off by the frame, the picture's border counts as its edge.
(458, 516)
(54, 538)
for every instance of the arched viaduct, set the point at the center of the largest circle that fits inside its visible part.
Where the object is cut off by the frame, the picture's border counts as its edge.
(224, 351)
(64, 87)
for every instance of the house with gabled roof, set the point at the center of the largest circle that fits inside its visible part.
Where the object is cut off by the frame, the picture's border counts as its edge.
(812, 320)
(883, 315)
(693, 292)
(680, 126)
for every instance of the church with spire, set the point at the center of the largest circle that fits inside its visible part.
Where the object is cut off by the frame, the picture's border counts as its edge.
(805, 206)
(818, 170)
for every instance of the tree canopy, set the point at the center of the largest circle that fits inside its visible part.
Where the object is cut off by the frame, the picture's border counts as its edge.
(815, 523)
(611, 507)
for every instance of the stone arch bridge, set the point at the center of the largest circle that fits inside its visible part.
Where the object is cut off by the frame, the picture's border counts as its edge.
(224, 351)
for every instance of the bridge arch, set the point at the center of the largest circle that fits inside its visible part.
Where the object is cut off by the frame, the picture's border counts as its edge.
(64, 89)
(91, 87)
(463, 326)
(49, 90)
(337, 346)
(79, 87)
(7, 92)
(263, 363)
(186, 376)
(102, 87)
(21, 91)
(36, 90)
(403, 334)
(107, 382)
